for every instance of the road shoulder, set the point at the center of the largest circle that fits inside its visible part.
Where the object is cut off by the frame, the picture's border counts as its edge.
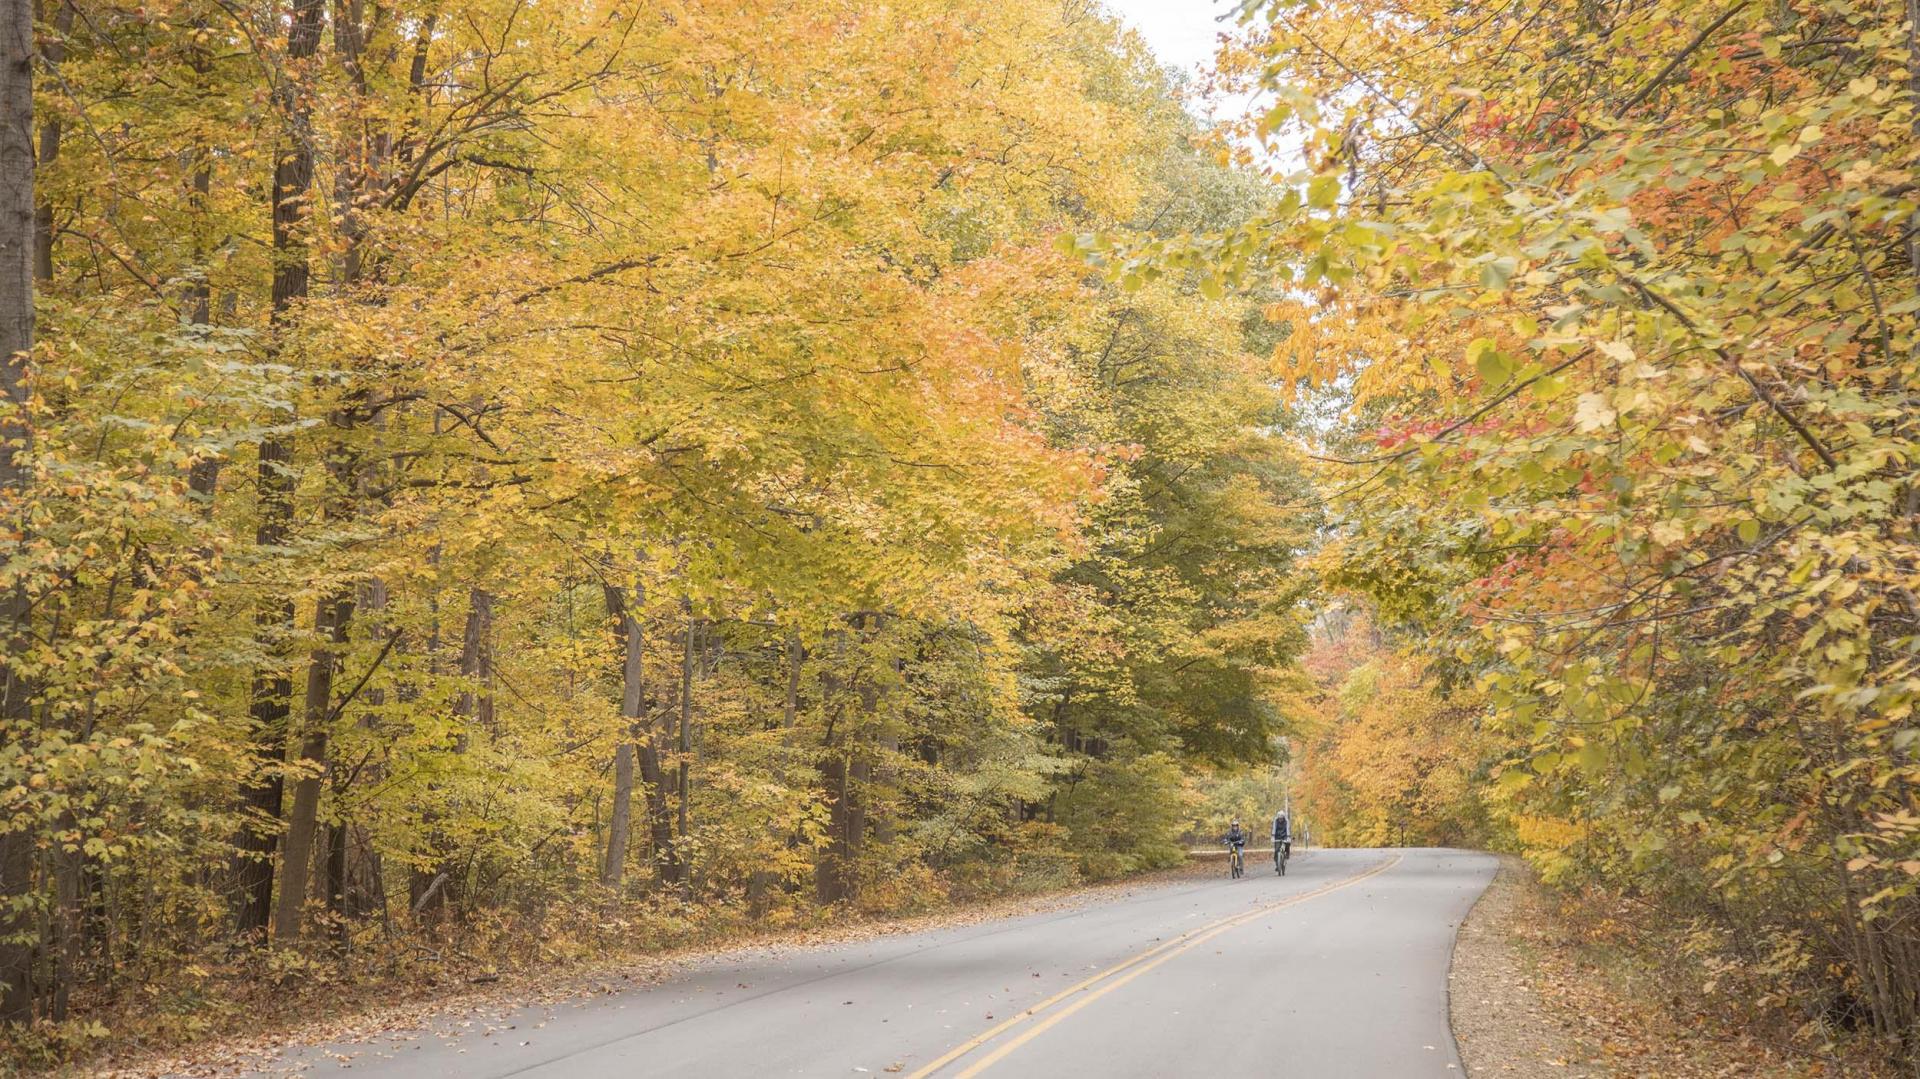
(1531, 997)
(1500, 1022)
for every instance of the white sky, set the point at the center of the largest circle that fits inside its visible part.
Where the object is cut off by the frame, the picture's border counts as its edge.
(1181, 32)
(1184, 34)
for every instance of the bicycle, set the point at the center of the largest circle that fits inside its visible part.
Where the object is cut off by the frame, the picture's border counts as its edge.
(1235, 861)
(1282, 850)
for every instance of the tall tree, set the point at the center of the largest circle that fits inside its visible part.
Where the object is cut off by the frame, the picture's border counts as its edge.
(272, 705)
(17, 240)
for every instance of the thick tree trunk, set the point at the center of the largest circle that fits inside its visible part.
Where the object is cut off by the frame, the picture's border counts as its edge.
(834, 873)
(17, 229)
(613, 865)
(855, 811)
(66, 923)
(475, 702)
(632, 673)
(653, 776)
(332, 619)
(272, 690)
(884, 769)
(50, 133)
(303, 818)
(423, 894)
(271, 704)
(68, 926)
(357, 164)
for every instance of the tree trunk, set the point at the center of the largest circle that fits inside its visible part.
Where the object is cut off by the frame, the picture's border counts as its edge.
(475, 702)
(632, 671)
(330, 624)
(260, 792)
(422, 892)
(336, 881)
(653, 776)
(885, 739)
(272, 689)
(360, 884)
(271, 703)
(854, 812)
(17, 228)
(204, 474)
(613, 866)
(1913, 84)
(50, 133)
(437, 890)
(760, 883)
(67, 927)
(66, 923)
(686, 743)
(834, 873)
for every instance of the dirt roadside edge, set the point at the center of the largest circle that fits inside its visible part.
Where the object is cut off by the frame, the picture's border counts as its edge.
(1530, 996)
(1500, 1022)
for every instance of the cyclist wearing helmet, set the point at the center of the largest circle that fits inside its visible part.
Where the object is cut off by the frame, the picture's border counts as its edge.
(1282, 841)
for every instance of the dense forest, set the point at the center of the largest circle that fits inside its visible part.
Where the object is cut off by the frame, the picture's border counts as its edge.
(496, 483)
(483, 472)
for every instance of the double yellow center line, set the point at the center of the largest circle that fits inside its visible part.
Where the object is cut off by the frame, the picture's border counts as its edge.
(1113, 978)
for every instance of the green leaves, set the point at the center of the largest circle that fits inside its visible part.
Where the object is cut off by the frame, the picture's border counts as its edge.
(1323, 192)
(1495, 367)
(1496, 272)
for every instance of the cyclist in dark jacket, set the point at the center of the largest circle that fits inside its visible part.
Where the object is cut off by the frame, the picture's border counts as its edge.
(1236, 835)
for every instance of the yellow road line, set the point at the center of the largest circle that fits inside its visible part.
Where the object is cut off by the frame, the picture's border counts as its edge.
(988, 1035)
(1157, 954)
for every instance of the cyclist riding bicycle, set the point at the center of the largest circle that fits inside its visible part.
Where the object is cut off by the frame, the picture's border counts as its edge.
(1282, 841)
(1236, 835)
(1236, 839)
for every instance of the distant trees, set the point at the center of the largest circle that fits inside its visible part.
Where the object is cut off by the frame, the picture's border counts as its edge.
(1392, 756)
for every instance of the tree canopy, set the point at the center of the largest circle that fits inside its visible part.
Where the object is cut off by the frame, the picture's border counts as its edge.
(496, 464)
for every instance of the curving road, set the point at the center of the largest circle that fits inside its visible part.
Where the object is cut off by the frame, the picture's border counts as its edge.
(1338, 969)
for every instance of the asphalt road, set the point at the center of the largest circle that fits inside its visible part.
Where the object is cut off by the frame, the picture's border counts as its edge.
(1338, 969)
